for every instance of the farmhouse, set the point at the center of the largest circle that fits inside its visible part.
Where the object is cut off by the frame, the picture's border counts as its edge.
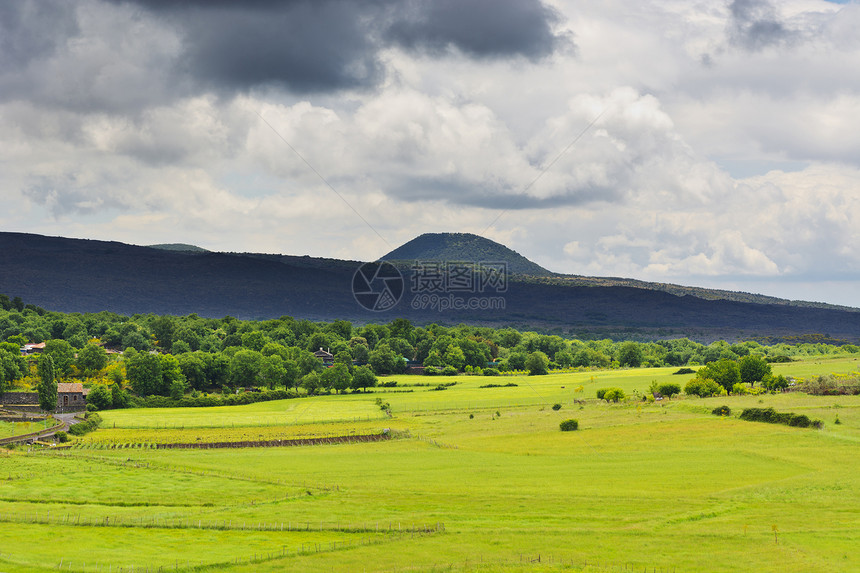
(33, 348)
(325, 356)
(70, 397)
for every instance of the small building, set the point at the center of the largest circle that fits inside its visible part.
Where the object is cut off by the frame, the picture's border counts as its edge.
(33, 348)
(325, 356)
(70, 397)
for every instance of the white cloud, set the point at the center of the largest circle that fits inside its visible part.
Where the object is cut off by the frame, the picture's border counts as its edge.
(101, 135)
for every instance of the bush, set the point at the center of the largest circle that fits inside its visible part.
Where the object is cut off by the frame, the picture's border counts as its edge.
(771, 416)
(669, 389)
(61, 437)
(91, 422)
(569, 425)
(702, 388)
(491, 372)
(431, 371)
(830, 385)
(775, 383)
(614, 395)
(684, 371)
(601, 393)
(722, 411)
(556, 407)
(449, 371)
(739, 389)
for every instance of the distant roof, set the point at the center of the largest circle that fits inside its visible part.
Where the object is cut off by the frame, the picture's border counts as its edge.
(70, 387)
(323, 354)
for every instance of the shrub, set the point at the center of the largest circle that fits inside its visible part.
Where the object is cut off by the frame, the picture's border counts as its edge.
(684, 371)
(614, 395)
(61, 437)
(722, 411)
(601, 393)
(431, 371)
(702, 388)
(739, 389)
(491, 372)
(389, 384)
(669, 389)
(569, 425)
(829, 385)
(91, 422)
(556, 406)
(771, 416)
(449, 371)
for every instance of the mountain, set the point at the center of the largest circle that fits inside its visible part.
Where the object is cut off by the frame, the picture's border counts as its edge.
(460, 247)
(77, 275)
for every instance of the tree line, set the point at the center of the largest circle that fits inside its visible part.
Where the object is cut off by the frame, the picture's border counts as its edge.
(177, 355)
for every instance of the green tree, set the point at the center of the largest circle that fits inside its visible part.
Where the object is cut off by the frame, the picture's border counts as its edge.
(273, 373)
(363, 378)
(345, 358)
(360, 353)
(433, 359)
(163, 328)
(245, 368)
(337, 377)
(92, 358)
(724, 372)
(454, 357)
(100, 397)
(255, 340)
(537, 363)
(63, 355)
(631, 354)
(193, 369)
(753, 369)
(12, 367)
(217, 369)
(144, 373)
(383, 359)
(47, 387)
(311, 383)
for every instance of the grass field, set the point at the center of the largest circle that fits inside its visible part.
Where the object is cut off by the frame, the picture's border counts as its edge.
(484, 475)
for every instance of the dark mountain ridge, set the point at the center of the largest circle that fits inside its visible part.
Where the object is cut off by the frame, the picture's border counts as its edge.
(78, 275)
(453, 247)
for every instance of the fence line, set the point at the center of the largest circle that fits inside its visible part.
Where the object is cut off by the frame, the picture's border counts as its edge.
(140, 522)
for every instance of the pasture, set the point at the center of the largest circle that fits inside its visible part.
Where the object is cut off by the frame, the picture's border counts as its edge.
(483, 481)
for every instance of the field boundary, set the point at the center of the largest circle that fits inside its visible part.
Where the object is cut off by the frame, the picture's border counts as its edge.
(280, 443)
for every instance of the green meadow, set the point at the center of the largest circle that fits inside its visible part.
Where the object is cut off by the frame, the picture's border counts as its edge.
(474, 479)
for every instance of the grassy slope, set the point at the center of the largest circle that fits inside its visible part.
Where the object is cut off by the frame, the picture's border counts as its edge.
(660, 485)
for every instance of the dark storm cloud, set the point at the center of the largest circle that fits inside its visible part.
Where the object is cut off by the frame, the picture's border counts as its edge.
(30, 32)
(324, 45)
(482, 28)
(754, 25)
(305, 46)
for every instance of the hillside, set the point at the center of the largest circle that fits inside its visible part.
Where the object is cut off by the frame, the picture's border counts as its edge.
(179, 247)
(75, 275)
(463, 247)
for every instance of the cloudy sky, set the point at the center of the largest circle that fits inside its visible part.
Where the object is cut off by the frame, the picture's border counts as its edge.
(704, 143)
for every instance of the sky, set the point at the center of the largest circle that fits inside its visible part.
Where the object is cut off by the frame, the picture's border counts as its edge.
(706, 143)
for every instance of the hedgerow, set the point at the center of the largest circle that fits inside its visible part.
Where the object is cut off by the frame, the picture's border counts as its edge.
(771, 416)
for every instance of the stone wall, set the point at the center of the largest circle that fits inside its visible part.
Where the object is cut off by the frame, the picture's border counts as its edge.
(19, 399)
